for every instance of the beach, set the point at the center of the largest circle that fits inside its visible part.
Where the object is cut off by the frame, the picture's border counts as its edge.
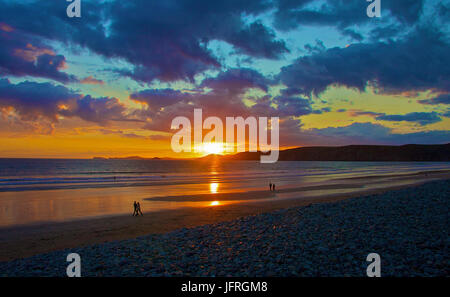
(407, 227)
(28, 240)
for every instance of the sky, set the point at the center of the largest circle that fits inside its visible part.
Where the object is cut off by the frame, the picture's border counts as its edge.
(110, 82)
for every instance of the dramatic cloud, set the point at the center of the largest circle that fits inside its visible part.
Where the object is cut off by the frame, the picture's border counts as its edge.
(358, 133)
(165, 40)
(292, 106)
(221, 96)
(343, 14)
(376, 134)
(33, 101)
(441, 99)
(237, 80)
(417, 63)
(22, 54)
(169, 40)
(422, 118)
(204, 43)
(160, 112)
(97, 110)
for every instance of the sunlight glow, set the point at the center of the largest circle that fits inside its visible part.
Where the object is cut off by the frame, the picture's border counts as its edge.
(213, 187)
(215, 203)
(213, 148)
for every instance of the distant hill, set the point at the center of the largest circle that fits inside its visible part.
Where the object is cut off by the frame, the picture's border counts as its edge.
(410, 152)
(130, 158)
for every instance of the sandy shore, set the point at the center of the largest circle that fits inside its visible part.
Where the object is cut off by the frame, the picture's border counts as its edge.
(407, 228)
(25, 241)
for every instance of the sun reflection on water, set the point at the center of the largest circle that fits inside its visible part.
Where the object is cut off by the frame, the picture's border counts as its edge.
(214, 203)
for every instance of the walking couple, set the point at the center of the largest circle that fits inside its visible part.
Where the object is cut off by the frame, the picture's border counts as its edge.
(137, 209)
(272, 186)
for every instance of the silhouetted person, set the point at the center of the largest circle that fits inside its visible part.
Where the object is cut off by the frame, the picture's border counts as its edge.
(273, 187)
(138, 208)
(270, 186)
(135, 213)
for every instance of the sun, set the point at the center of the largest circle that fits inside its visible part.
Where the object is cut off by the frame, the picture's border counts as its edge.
(213, 148)
(213, 187)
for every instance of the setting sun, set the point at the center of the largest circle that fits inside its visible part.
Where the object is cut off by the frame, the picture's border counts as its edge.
(213, 148)
(214, 203)
(213, 187)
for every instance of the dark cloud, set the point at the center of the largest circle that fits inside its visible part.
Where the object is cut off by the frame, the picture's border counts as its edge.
(292, 91)
(284, 5)
(441, 99)
(444, 11)
(316, 48)
(97, 110)
(353, 134)
(384, 32)
(367, 133)
(34, 101)
(353, 34)
(406, 11)
(292, 106)
(416, 63)
(263, 43)
(422, 118)
(168, 40)
(337, 12)
(237, 79)
(22, 55)
(165, 40)
(344, 14)
(292, 134)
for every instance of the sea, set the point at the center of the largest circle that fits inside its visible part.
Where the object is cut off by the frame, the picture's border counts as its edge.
(48, 190)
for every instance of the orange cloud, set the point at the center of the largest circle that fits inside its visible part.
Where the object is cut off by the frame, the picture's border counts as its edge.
(92, 81)
(6, 27)
(30, 52)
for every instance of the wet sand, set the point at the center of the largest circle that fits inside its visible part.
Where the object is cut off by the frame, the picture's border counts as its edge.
(25, 241)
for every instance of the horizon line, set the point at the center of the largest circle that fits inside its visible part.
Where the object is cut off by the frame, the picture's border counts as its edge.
(137, 157)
